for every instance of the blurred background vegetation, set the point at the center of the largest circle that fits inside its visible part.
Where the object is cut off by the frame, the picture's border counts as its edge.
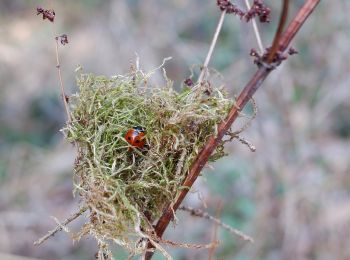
(292, 195)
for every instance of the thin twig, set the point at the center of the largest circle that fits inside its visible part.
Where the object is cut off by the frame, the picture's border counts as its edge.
(187, 245)
(58, 66)
(60, 227)
(246, 94)
(256, 30)
(215, 231)
(202, 214)
(308, 7)
(244, 141)
(278, 35)
(212, 46)
(250, 119)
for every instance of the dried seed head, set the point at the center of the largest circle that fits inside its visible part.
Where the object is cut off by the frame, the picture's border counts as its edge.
(292, 51)
(47, 14)
(188, 82)
(254, 53)
(63, 39)
(258, 9)
(226, 5)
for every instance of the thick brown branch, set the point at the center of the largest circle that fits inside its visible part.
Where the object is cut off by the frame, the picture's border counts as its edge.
(297, 22)
(243, 98)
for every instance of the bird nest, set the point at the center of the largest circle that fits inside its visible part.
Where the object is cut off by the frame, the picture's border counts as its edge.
(126, 188)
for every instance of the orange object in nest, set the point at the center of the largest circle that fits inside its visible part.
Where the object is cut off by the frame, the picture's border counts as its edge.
(136, 137)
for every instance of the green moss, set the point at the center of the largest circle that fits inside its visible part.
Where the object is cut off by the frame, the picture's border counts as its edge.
(127, 188)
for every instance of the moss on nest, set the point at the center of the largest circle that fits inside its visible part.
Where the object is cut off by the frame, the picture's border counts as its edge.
(126, 189)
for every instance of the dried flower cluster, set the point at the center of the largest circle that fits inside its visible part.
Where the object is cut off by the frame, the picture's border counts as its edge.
(188, 82)
(258, 9)
(63, 39)
(47, 14)
(226, 5)
(50, 15)
(292, 51)
(261, 60)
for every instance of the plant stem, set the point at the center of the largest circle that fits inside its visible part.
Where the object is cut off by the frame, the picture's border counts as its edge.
(256, 31)
(278, 35)
(58, 66)
(212, 46)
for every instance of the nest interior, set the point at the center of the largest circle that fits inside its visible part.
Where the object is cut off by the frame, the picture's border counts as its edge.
(126, 188)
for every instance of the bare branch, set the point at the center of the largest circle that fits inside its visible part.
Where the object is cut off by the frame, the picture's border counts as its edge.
(202, 214)
(59, 227)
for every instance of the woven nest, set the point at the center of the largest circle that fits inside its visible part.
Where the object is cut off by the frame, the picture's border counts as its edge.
(125, 188)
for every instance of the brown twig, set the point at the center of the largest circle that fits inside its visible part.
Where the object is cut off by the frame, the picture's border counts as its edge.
(187, 245)
(243, 98)
(211, 252)
(202, 214)
(278, 35)
(60, 227)
(297, 22)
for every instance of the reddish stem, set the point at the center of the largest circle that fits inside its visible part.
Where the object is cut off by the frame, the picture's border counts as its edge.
(282, 22)
(242, 100)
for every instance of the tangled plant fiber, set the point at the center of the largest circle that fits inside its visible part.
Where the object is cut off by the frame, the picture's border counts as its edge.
(126, 188)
